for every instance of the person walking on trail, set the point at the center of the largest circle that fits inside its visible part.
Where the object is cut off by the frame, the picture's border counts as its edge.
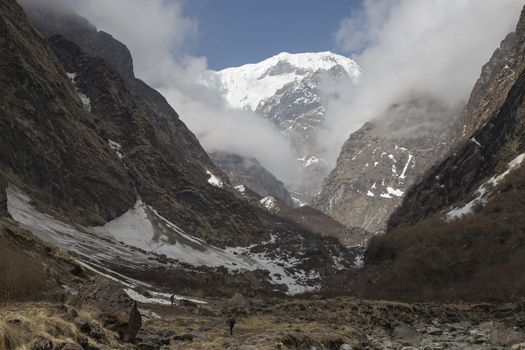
(172, 299)
(231, 323)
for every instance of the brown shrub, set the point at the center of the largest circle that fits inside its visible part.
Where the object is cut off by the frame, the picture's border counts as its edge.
(21, 277)
(478, 257)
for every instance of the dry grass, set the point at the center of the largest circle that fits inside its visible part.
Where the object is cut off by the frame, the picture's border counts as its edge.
(29, 320)
(10, 338)
(21, 323)
(21, 277)
(258, 331)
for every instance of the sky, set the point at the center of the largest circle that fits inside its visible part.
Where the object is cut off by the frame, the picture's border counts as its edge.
(235, 32)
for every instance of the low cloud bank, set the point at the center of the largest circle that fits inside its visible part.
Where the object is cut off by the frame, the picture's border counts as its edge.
(408, 48)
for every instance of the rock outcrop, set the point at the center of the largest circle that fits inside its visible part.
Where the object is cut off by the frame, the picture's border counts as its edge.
(380, 161)
(248, 172)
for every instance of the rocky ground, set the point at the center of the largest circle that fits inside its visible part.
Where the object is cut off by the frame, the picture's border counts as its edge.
(273, 323)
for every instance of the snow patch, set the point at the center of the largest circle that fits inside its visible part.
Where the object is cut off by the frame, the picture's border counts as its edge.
(269, 203)
(136, 237)
(370, 194)
(395, 192)
(83, 98)
(473, 140)
(403, 176)
(483, 191)
(214, 180)
(158, 298)
(117, 147)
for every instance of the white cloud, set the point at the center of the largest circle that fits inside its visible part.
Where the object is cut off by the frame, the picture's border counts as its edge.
(160, 38)
(433, 48)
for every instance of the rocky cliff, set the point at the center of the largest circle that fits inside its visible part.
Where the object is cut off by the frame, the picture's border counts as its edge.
(483, 139)
(249, 172)
(380, 161)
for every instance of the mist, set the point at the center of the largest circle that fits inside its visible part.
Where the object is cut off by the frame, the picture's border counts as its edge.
(407, 48)
(160, 39)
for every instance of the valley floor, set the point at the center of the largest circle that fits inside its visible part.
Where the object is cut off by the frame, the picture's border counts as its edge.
(273, 323)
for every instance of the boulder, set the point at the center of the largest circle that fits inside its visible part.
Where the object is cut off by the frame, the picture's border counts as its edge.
(237, 303)
(129, 333)
(500, 335)
(42, 343)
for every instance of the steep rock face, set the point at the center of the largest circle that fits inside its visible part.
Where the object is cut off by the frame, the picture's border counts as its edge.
(172, 132)
(48, 144)
(298, 110)
(489, 136)
(380, 161)
(249, 172)
(291, 90)
(162, 176)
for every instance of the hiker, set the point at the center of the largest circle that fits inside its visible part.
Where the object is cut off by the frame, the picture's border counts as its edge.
(172, 299)
(231, 322)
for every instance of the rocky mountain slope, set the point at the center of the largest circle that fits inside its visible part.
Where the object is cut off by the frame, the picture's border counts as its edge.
(250, 173)
(381, 160)
(460, 230)
(291, 90)
(311, 219)
(491, 137)
(96, 162)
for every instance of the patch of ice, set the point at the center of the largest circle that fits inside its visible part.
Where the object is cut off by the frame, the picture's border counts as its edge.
(214, 180)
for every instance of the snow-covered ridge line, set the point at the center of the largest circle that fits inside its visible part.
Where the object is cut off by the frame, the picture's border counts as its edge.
(244, 87)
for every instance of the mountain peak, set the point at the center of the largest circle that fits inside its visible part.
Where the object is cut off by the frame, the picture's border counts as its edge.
(247, 85)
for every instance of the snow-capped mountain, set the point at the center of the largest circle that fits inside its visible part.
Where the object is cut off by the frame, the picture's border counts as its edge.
(289, 90)
(246, 86)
